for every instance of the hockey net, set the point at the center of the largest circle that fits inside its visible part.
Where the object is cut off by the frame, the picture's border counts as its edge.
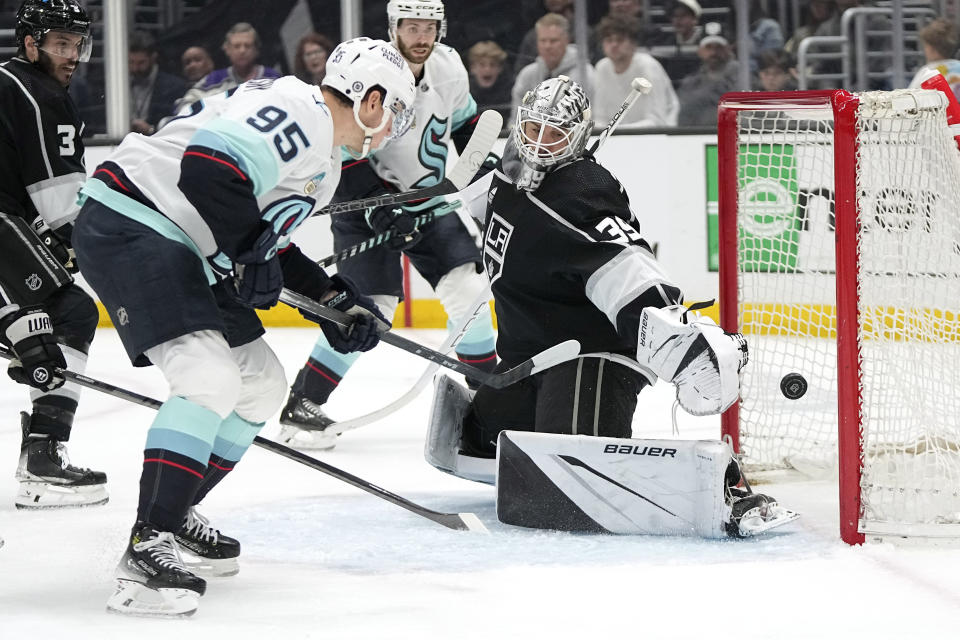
(840, 261)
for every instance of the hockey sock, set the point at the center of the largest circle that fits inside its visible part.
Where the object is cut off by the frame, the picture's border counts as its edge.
(175, 458)
(233, 439)
(478, 347)
(53, 412)
(324, 370)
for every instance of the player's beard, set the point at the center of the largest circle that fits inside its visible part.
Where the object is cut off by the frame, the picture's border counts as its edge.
(58, 71)
(409, 55)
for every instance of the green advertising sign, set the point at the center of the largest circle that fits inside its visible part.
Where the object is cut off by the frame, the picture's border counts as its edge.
(770, 225)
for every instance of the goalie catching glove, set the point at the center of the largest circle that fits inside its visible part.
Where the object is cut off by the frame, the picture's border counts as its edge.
(691, 351)
(364, 333)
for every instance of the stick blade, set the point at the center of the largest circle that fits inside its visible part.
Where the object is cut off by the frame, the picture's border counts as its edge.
(481, 142)
(556, 354)
(460, 522)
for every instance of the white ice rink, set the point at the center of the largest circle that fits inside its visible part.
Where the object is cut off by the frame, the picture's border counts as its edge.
(324, 560)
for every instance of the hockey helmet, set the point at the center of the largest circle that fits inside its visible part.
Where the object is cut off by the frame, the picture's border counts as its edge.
(39, 17)
(397, 10)
(553, 124)
(361, 64)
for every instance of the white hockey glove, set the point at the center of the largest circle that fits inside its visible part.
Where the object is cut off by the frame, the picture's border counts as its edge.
(692, 352)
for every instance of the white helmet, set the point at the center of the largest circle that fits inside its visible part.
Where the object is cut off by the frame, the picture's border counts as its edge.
(358, 65)
(559, 103)
(397, 10)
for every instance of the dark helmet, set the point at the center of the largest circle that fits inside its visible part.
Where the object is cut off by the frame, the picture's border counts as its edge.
(38, 17)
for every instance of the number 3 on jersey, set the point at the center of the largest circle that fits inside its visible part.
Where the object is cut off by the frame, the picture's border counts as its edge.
(269, 118)
(620, 230)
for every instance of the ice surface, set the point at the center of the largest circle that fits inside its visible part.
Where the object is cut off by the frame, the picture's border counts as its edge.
(324, 560)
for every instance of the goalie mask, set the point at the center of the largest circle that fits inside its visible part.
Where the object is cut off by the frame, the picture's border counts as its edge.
(359, 65)
(552, 128)
(37, 18)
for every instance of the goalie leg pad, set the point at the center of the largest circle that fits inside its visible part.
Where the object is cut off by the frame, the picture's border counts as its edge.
(451, 402)
(612, 485)
(691, 351)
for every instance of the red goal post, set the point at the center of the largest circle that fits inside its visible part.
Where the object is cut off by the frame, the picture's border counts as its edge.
(839, 241)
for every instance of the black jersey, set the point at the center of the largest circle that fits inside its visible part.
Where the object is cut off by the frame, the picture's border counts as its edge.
(567, 261)
(41, 150)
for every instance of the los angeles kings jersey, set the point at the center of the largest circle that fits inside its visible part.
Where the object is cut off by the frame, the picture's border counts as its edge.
(442, 105)
(41, 149)
(567, 261)
(275, 135)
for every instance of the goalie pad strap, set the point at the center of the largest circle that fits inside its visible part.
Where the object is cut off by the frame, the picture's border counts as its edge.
(29, 273)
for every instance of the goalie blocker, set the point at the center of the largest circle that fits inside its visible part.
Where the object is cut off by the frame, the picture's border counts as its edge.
(628, 486)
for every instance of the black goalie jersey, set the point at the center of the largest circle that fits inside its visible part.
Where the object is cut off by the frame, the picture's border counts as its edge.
(41, 151)
(567, 262)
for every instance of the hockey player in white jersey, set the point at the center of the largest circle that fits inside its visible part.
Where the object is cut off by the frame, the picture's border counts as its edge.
(183, 234)
(443, 251)
(566, 260)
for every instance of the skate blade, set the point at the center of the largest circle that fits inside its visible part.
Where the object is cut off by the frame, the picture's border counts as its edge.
(297, 438)
(136, 599)
(207, 567)
(43, 495)
(753, 524)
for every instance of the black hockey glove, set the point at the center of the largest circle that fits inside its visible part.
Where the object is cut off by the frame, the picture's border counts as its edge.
(258, 276)
(56, 244)
(398, 220)
(38, 356)
(368, 324)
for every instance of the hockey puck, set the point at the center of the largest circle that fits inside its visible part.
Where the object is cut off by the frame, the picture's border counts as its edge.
(793, 386)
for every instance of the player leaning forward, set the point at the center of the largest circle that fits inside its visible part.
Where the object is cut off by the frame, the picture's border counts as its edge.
(442, 251)
(182, 234)
(566, 260)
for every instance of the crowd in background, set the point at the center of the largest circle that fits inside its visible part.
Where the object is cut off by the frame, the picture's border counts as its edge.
(688, 56)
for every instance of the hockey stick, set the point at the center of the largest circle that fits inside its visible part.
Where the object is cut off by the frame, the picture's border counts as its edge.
(544, 360)
(483, 138)
(376, 240)
(638, 86)
(459, 521)
(451, 341)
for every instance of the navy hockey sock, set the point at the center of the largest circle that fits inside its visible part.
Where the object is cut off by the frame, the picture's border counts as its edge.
(234, 437)
(179, 444)
(324, 370)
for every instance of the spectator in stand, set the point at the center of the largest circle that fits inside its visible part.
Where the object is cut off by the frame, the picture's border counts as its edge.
(815, 14)
(940, 41)
(765, 32)
(310, 63)
(623, 62)
(557, 57)
(528, 46)
(677, 51)
(242, 46)
(152, 92)
(776, 71)
(195, 63)
(489, 85)
(626, 10)
(700, 92)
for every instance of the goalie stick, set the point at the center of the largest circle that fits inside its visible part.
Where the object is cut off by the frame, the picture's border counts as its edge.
(638, 86)
(544, 360)
(481, 142)
(451, 341)
(459, 521)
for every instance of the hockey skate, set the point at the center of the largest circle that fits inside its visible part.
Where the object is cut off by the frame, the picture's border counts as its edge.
(206, 551)
(305, 425)
(751, 513)
(48, 480)
(152, 579)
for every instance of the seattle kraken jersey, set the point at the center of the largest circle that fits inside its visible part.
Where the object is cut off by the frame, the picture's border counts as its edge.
(41, 150)
(275, 135)
(442, 105)
(567, 261)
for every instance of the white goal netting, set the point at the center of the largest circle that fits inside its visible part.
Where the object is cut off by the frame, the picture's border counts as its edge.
(906, 293)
